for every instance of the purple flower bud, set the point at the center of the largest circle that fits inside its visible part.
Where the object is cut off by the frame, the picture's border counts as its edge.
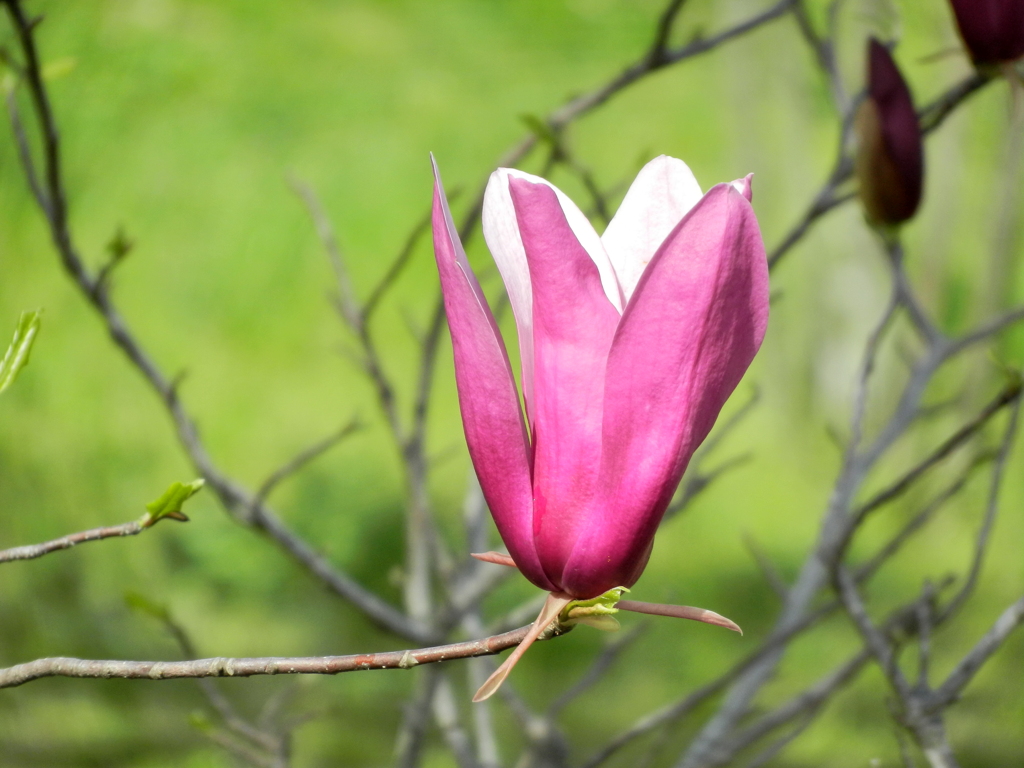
(890, 164)
(992, 30)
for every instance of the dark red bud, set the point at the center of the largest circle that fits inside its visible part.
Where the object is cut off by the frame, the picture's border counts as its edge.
(890, 163)
(992, 30)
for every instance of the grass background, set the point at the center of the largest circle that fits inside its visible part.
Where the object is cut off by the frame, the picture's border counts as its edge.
(181, 120)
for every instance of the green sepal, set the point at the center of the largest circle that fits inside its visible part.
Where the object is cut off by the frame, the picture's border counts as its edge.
(169, 504)
(603, 622)
(17, 354)
(596, 612)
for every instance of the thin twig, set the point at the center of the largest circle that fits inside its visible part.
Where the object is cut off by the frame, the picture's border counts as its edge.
(303, 458)
(664, 30)
(32, 551)
(248, 667)
(932, 115)
(24, 152)
(968, 667)
(923, 324)
(1010, 394)
(991, 508)
(915, 523)
(347, 302)
(987, 330)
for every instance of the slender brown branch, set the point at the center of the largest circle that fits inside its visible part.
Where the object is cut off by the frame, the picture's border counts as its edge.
(32, 551)
(303, 458)
(248, 667)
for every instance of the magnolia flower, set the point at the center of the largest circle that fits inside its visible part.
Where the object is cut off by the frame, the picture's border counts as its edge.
(890, 157)
(992, 30)
(630, 344)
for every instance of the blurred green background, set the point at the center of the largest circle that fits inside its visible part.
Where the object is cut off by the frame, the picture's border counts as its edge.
(181, 121)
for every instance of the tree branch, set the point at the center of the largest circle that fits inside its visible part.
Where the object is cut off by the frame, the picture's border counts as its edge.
(248, 667)
(32, 551)
(968, 667)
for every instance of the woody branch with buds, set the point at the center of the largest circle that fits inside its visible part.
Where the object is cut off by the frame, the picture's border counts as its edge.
(630, 343)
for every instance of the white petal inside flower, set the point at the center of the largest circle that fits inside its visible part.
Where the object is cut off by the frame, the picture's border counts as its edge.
(661, 195)
(501, 231)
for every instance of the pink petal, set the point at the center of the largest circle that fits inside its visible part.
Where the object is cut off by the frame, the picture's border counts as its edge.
(692, 327)
(501, 231)
(745, 187)
(573, 325)
(663, 192)
(491, 415)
